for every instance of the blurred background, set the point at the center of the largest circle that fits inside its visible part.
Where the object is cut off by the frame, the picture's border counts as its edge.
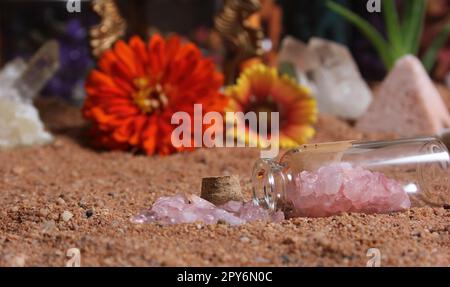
(26, 25)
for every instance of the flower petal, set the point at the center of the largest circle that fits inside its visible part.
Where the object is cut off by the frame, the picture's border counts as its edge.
(174, 70)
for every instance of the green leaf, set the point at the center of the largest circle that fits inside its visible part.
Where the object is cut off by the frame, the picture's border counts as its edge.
(370, 32)
(287, 68)
(412, 26)
(430, 55)
(393, 27)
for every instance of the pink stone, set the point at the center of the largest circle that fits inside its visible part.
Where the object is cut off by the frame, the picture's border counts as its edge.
(339, 187)
(333, 181)
(232, 206)
(189, 209)
(407, 103)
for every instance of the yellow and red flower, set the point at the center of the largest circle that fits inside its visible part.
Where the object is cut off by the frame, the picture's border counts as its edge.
(262, 89)
(137, 87)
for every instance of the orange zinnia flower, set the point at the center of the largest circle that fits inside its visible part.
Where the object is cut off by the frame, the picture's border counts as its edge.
(261, 89)
(136, 88)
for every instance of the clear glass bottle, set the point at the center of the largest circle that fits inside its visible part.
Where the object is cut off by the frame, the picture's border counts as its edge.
(370, 177)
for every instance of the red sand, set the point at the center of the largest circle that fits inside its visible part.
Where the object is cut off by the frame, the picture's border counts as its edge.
(104, 189)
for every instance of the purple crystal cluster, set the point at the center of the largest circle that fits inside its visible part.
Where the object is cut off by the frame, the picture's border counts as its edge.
(191, 208)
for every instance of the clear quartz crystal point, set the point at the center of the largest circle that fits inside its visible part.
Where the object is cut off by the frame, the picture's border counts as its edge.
(39, 71)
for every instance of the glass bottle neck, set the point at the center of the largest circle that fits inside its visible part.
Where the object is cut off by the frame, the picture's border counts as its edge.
(269, 183)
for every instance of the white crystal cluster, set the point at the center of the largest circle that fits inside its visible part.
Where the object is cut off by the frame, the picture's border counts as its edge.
(20, 124)
(329, 69)
(19, 120)
(190, 209)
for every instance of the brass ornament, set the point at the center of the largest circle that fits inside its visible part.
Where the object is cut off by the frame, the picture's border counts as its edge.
(242, 35)
(111, 28)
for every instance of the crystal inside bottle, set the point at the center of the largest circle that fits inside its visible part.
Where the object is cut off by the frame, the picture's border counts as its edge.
(326, 179)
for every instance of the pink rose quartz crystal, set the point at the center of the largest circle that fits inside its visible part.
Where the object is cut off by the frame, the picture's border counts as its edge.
(190, 209)
(339, 187)
(332, 189)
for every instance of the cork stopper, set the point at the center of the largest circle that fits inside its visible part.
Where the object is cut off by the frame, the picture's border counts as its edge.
(220, 190)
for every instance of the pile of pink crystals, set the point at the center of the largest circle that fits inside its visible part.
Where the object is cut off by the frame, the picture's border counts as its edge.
(190, 209)
(339, 187)
(332, 189)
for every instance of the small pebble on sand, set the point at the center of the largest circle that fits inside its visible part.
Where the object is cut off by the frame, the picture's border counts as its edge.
(89, 213)
(66, 216)
(48, 226)
(60, 201)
